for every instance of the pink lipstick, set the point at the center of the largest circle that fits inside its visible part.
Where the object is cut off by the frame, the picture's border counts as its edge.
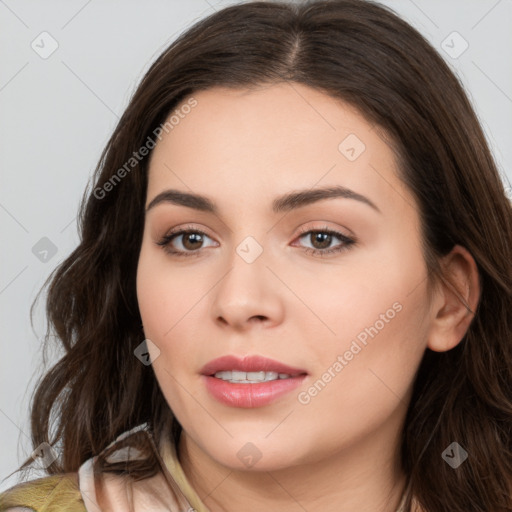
(252, 381)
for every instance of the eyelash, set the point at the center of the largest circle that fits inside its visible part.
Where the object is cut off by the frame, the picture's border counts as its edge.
(347, 241)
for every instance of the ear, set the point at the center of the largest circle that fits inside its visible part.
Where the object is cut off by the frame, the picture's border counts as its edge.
(455, 294)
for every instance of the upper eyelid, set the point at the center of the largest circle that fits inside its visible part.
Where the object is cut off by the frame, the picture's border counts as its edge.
(302, 231)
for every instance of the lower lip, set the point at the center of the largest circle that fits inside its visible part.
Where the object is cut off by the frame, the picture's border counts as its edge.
(250, 395)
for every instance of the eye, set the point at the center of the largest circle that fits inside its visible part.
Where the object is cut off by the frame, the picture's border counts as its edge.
(189, 241)
(322, 239)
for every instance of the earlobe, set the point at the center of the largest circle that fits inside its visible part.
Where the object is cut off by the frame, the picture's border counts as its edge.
(456, 301)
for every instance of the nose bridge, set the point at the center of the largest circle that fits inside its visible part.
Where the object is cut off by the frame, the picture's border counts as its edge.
(245, 292)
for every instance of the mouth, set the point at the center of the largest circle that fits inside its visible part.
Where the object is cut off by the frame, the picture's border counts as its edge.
(253, 381)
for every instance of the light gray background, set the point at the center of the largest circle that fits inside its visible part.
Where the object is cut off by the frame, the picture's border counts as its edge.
(58, 112)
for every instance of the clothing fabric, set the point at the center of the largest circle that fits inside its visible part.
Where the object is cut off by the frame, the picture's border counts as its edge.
(91, 489)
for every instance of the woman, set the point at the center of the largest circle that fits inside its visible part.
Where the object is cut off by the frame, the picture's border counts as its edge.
(294, 283)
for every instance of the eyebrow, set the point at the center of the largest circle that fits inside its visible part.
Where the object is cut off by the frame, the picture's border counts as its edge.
(284, 203)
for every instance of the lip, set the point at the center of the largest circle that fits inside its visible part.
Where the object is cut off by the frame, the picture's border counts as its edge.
(249, 364)
(250, 395)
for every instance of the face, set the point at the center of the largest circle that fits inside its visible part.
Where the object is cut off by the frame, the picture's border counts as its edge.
(329, 292)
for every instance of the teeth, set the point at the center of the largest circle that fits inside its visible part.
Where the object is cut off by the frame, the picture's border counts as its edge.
(223, 375)
(259, 376)
(238, 377)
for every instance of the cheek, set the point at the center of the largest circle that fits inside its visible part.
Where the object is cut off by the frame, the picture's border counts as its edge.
(173, 314)
(371, 296)
(373, 367)
(378, 317)
(166, 307)
(360, 387)
(164, 293)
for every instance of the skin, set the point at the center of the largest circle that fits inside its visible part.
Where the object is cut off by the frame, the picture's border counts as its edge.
(340, 451)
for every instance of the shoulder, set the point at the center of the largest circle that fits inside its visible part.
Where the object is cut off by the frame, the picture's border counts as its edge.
(58, 493)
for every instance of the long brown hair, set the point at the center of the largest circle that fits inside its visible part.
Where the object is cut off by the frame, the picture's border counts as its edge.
(363, 54)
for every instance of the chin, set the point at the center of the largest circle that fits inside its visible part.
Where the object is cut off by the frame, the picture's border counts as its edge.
(258, 455)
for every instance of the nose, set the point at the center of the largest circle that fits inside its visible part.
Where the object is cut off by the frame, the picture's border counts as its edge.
(248, 294)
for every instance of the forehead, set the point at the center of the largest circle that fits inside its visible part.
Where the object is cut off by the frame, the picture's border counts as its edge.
(265, 141)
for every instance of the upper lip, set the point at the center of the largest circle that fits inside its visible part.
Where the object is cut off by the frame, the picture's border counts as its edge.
(248, 364)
